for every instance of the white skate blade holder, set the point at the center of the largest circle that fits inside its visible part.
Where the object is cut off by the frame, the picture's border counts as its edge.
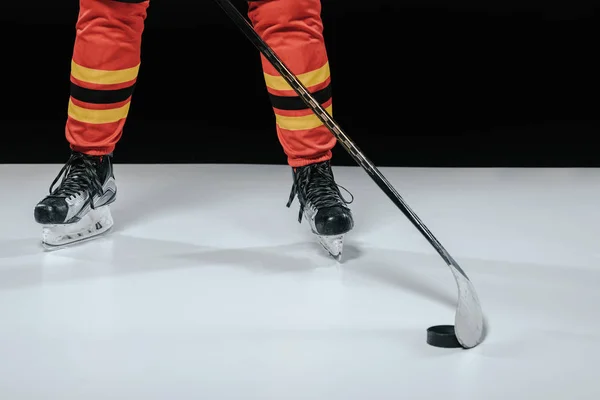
(334, 245)
(95, 223)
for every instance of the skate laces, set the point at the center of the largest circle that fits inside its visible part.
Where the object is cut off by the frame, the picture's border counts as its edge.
(316, 185)
(79, 174)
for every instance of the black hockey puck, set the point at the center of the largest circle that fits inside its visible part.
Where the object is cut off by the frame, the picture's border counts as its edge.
(442, 336)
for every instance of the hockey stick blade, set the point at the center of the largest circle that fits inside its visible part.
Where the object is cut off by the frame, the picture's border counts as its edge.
(469, 320)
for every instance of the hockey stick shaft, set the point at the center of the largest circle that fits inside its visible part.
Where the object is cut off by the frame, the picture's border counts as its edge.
(335, 129)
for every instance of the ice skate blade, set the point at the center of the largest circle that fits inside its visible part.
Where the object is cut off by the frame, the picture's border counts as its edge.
(334, 245)
(94, 224)
(55, 247)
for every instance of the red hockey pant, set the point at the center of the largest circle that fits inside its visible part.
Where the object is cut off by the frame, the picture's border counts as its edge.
(106, 62)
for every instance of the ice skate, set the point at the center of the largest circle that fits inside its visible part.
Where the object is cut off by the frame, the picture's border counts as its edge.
(78, 208)
(322, 205)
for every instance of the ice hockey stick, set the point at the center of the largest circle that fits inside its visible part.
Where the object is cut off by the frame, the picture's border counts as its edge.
(469, 321)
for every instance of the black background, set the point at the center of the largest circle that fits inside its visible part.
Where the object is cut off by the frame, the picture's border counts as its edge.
(416, 83)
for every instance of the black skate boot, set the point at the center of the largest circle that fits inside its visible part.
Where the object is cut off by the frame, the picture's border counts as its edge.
(78, 209)
(323, 206)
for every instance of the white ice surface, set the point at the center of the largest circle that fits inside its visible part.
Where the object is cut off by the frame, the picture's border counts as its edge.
(209, 289)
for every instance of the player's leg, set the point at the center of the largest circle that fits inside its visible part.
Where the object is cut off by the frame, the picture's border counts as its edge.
(104, 69)
(294, 29)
